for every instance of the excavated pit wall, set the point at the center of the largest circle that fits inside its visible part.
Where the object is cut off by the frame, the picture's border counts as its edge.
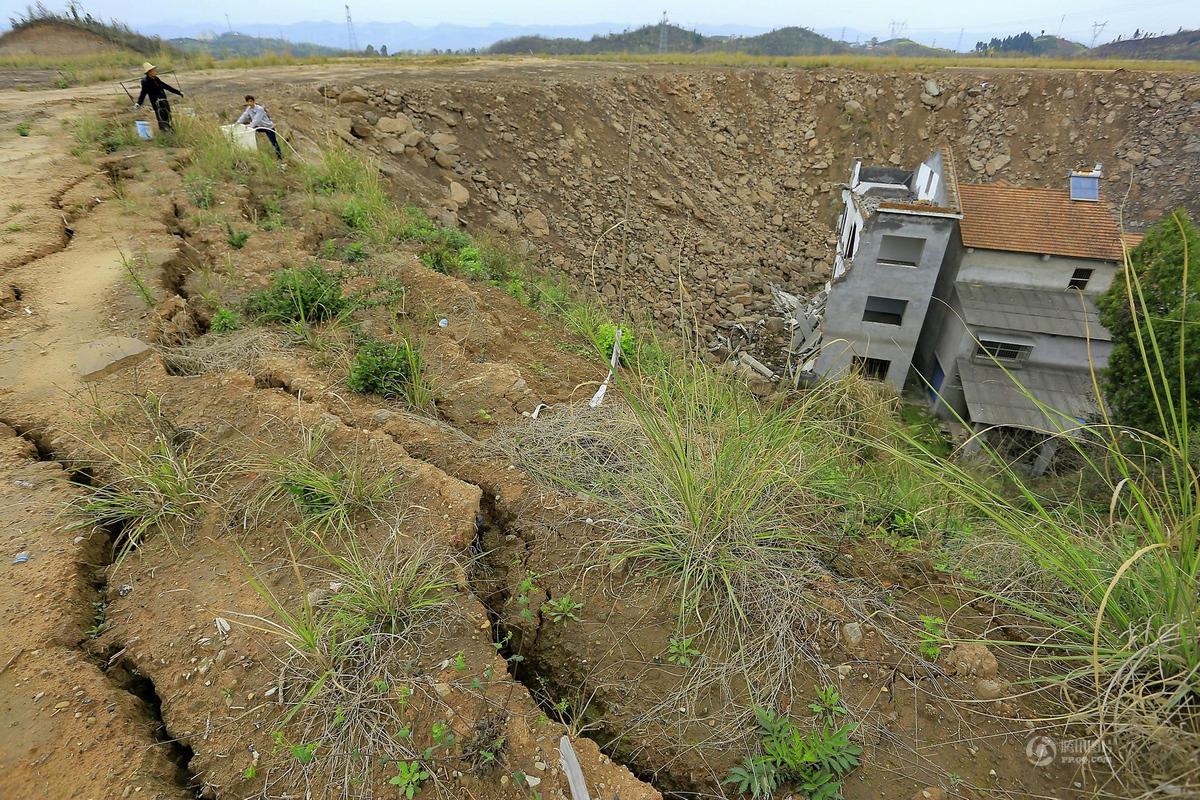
(648, 182)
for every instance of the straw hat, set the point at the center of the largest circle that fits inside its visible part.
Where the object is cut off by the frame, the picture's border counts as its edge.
(147, 66)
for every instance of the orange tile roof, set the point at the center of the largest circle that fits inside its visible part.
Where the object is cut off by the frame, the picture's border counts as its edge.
(1044, 221)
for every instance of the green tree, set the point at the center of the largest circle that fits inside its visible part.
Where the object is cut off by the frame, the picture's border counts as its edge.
(1151, 310)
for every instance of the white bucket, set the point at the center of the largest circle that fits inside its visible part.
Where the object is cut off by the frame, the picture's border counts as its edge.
(242, 136)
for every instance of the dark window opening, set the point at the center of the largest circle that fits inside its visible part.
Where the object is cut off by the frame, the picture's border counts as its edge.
(873, 368)
(887, 310)
(900, 251)
(1080, 278)
(849, 251)
(1007, 353)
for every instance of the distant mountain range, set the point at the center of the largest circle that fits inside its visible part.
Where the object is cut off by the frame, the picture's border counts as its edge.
(330, 38)
(402, 37)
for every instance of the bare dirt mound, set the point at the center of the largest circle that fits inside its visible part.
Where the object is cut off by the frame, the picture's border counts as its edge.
(49, 39)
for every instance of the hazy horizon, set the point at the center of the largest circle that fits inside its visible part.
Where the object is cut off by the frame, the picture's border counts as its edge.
(951, 23)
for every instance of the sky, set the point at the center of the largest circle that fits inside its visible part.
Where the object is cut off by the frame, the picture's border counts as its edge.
(931, 18)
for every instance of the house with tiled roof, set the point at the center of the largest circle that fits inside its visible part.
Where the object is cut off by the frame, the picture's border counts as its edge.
(960, 288)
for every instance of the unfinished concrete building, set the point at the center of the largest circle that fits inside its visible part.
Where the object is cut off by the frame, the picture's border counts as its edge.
(947, 285)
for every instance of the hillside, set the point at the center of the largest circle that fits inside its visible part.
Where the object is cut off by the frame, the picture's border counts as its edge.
(907, 48)
(791, 41)
(1181, 46)
(229, 45)
(40, 32)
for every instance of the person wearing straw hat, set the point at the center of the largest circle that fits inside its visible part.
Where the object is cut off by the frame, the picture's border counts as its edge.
(156, 89)
(256, 117)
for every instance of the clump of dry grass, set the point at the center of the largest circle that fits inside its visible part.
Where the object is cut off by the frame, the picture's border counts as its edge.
(235, 350)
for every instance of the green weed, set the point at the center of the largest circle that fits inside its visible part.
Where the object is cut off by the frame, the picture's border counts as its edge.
(236, 239)
(562, 610)
(391, 370)
(306, 295)
(816, 761)
(225, 321)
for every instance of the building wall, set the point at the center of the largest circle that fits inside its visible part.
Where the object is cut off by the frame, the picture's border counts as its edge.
(848, 298)
(1032, 271)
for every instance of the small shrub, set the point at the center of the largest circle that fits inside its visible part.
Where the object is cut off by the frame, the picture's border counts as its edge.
(306, 294)
(22, 129)
(439, 257)
(390, 370)
(328, 249)
(606, 337)
(236, 239)
(225, 321)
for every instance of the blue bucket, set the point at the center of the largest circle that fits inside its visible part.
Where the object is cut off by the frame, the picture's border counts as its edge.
(143, 129)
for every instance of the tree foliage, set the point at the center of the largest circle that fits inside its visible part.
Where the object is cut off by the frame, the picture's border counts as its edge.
(1151, 310)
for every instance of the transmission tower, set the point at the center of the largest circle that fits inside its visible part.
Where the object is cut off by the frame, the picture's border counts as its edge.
(351, 39)
(1097, 29)
(662, 34)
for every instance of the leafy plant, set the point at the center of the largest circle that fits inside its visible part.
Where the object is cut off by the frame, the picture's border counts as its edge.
(680, 651)
(225, 321)
(562, 610)
(22, 129)
(391, 370)
(355, 252)
(932, 635)
(828, 703)
(236, 239)
(816, 761)
(409, 778)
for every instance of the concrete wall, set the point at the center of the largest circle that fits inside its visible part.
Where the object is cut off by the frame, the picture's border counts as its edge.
(1032, 271)
(847, 300)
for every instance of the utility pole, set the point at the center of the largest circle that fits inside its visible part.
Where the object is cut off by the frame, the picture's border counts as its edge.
(958, 47)
(351, 39)
(1058, 35)
(662, 34)
(228, 24)
(1097, 28)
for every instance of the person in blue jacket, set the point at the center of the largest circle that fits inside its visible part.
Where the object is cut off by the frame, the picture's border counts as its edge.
(156, 89)
(256, 117)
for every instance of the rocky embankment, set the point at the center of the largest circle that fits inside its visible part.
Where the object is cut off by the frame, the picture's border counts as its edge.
(717, 184)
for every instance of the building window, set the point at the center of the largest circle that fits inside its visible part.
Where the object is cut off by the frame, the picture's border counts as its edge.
(1080, 278)
(900, 251)
(1007, 353)
(887, 310)
(873, 368)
